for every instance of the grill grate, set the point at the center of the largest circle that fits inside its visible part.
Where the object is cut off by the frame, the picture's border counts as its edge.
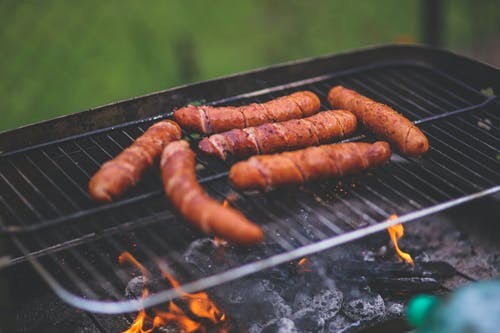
(76, 243)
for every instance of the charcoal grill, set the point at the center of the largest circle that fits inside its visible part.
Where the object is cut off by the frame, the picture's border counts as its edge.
(73, 243)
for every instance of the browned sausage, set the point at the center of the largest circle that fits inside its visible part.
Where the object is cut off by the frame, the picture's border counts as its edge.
(190, 200)
(124, 171)
(209, 119)
(335, 160)
(382, 120)
(293, 134)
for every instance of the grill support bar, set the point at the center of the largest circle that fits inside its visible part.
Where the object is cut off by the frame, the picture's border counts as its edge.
(16, 229)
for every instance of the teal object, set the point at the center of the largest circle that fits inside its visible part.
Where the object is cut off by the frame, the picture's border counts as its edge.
(420, 308)
(472, 309)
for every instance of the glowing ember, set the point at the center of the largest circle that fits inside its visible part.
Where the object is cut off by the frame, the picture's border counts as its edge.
(220, 241)
(304, 265)
(199, 305)
(396, 232)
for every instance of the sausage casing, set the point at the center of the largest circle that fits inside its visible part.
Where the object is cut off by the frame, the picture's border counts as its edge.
(382, 120)
(193, 203)
(124, 171)
(209, 119)
(293, 134)
(314, 163)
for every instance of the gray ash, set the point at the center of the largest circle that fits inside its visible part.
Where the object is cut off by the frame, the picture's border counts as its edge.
(393, 309)
(282, 325)
(340, 323)
(308, 320)
(363, 305)
(327, 303)
(303, 303)
(202, 256)
(135, 286)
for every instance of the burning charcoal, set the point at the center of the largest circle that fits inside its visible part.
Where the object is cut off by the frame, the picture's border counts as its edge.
(435, 269)
(327, 303)
(394, 309)
(253, 311)
(295, 284)
(255, 328)
(135, 287)
(382, 251)
(258, 295)
(308, 321)
(199, 254)
(368, 255)
(237, 291)
(234, 298)
(404, 286)
(281, 309)
(279, 274)
(263, 286)
(364, 306)
(171, 328)
(301, 301)
(356, 268)
(251, 290)
(422, 257)
(283, 325)
(323, 279)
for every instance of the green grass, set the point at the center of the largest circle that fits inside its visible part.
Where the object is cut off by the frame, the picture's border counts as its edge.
(59, 57)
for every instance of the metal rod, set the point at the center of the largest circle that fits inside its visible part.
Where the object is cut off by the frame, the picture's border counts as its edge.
(247, 269)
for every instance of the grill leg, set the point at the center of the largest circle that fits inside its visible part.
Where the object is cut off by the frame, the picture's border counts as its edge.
(432, 21)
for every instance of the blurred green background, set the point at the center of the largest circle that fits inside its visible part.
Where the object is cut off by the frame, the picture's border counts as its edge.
(59, 57)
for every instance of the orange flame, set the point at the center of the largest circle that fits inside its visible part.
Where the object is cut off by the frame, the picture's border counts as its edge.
(175, 315)
(137, 325)
(127, 257)
(396, 232)
(199, 304)
(139, 322)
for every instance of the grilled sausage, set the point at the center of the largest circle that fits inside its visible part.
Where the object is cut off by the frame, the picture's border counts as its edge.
(209, 119)
(124, 171)
(288, 135)
(314, 163)
(382, 120)
(190, 200)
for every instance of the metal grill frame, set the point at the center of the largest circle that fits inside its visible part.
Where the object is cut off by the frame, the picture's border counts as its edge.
(471, 78)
